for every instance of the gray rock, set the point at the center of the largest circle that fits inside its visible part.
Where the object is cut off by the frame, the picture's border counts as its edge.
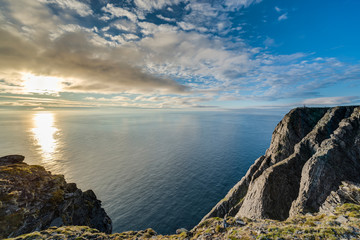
(57, 222)
(240, 222)
(181, 230)
(341, 219)
(312, 152)
(11, 159)
(348, 192)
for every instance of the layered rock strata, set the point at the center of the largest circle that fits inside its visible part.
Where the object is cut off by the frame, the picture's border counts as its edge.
(33, 199)
(312, 151)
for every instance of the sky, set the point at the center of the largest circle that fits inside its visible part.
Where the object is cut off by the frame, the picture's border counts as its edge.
(179, 54)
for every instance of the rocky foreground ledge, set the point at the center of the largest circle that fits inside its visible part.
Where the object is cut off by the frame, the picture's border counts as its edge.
(343, 223)
(306, 186)
(32, 199)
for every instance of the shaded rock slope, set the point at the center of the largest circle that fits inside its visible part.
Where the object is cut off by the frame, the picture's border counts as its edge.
(312, 152)
(31, 199)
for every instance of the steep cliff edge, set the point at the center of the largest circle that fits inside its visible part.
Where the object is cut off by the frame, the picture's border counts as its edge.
(32, 199)
(312, 151)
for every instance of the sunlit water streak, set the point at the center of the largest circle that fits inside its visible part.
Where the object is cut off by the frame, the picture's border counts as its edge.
(46, 138)
(44, 134)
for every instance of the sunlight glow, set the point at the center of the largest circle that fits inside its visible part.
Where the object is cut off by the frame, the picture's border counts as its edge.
(44, 133)
(41, 84)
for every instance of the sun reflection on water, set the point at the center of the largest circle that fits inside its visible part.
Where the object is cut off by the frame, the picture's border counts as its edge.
(45, 132)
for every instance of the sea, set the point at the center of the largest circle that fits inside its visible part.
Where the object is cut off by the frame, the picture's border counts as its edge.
(150, 168)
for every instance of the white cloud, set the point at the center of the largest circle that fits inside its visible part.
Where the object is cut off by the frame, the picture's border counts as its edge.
(193, 56)
(186, 26)
(130, 36)
(206, 9)
(125, 25)
(282, 79)
(36, 18)
(81, 8)
(277, 9)
(105, 18)
(237, 4)
(105, 29)
(283, 17)
(269, 42)
(156, 4)
(206, 17)
(116, 38)
(330, 100)
(40, 102)
(151, 28)
(166, 18)
(89, 98)
(118, 12)
(113, 99)
(150, 101)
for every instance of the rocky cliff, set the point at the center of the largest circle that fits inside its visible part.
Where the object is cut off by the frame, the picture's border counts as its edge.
(32, 199)
(312, 152)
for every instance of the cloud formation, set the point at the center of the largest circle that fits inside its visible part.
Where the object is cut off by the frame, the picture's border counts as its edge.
(117, 12)
(81, 62)
(155, 4)
(283, 17)
(81, 57)
(81, 8)
(171, 52)
(330, 101)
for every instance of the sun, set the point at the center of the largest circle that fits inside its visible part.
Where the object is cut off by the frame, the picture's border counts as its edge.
(41, 84)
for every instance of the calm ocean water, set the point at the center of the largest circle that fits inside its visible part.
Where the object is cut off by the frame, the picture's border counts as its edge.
(163, 170)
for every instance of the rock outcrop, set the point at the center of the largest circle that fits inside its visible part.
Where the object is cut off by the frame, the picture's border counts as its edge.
(313, 150)
(32, 199)
(347, 193)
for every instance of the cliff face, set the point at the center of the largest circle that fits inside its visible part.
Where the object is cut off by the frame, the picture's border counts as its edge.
(312, 151)
(33, 199)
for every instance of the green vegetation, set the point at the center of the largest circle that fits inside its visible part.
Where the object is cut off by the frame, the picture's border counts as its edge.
(351, 210)
(315, 227)
(57, 196)
(218, 228)
(10, 223)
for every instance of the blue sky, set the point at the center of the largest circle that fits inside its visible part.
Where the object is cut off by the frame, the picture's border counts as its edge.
(179, 54)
